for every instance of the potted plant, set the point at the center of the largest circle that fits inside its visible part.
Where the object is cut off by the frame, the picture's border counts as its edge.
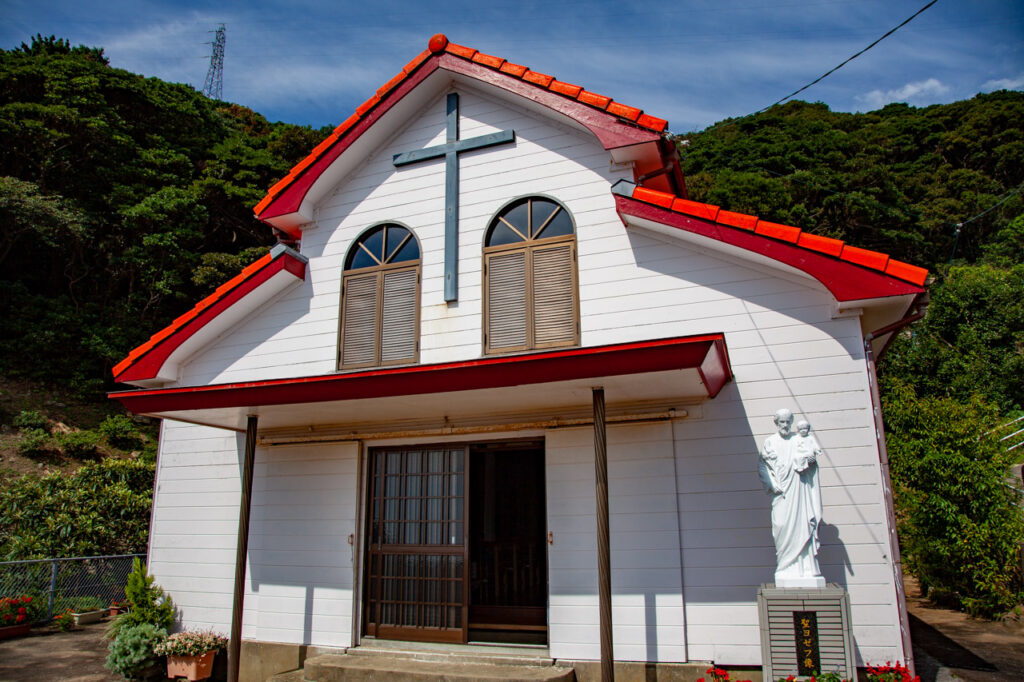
(86, 610)
(117, 608)
(16, 616)
(190, 653)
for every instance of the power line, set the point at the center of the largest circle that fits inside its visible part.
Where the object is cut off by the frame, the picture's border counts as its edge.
(827, 73)
(960, 226)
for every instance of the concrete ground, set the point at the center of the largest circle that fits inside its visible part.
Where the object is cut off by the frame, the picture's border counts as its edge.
(47, 655)
(948, 645)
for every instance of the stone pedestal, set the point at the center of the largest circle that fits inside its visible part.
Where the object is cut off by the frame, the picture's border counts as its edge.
(805, 630)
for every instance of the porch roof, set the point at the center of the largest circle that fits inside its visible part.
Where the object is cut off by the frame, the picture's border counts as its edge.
(674, 370)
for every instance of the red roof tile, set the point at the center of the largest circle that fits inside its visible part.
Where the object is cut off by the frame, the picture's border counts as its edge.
(541, 79)
(439, 44)
(778, 231)
(219, 294)
(869, 259)
(567, 89)
(794, 235)
(488, 60)
(740, 220)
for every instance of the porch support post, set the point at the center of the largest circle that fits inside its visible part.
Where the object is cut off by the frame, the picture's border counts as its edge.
(604, 571)
(235, 643)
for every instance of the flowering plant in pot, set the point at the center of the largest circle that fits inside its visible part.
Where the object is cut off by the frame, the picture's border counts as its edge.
(16, 615)
(190, 653)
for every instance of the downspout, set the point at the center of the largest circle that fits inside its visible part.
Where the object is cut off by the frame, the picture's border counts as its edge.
(883, 458)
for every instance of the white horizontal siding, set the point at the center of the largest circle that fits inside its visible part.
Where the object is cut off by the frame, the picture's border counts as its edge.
(297, 334)
(645, 571)
(299, 577)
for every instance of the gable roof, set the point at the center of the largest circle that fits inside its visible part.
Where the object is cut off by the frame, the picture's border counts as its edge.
(615, 124)
(157, 358)
(848, 272)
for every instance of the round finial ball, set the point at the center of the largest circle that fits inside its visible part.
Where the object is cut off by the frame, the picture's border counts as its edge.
(438, 43)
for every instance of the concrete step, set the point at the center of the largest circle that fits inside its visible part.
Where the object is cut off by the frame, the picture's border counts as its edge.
(445, 653)
(412, 668)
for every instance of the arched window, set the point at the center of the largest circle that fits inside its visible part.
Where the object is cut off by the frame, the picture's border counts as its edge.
(530, 288)
(380, 295)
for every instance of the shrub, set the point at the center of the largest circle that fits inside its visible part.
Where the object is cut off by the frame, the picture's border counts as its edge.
(30, 420)
(120, 432)
(79, 444)
(18, 610)
(132, 651)
(150, 605)
(959, 526)
(79, 604)
(34, 443)
(65, 622)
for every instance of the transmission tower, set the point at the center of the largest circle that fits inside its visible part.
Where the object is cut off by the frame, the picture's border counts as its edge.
(214, 87)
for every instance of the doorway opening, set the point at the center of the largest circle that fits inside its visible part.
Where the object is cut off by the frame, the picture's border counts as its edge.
(507, 549)
(456, 550)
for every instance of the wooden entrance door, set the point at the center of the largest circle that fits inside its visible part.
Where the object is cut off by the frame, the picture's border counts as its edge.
(416, 586)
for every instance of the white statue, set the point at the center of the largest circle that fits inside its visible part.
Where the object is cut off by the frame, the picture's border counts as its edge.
(789, 472)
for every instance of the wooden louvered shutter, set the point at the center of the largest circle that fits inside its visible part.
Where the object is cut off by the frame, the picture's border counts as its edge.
(398, 318)
(506, 300)
(359, 320)
(554, 296)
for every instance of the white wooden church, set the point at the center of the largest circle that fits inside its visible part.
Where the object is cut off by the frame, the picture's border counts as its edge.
(489, 282)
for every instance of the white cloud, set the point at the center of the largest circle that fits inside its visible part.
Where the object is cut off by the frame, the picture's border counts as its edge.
(920, 92)
(1004, 84)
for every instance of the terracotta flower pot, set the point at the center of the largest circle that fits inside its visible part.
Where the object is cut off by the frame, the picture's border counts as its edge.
(192, 667)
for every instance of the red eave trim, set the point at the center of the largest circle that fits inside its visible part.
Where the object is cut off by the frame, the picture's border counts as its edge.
(705, 352)
(145, 361)
(848, 272)
(614, 124)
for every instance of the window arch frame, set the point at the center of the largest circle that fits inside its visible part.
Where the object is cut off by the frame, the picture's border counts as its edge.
(382, 272)
(530, 247)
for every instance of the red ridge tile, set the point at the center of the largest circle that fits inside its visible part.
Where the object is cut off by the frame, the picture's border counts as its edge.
(567, 89)
(826, 245)
(653, 196)
(740, 220)
(541, 79)
(488, 60)
(594, 99)
(367, 105)
(264, 202)
(415, 62)
(346, 124)
(786, 233)
(511, 69)
(280, 184)
(391, 84)
(630, 113)
(303, 165)
(460, 50)
(695, 208)
(865, 257)
(906, 271)
(652, 122)
(323, 146)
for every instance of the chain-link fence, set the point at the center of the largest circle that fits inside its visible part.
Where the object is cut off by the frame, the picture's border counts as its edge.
(79, 583)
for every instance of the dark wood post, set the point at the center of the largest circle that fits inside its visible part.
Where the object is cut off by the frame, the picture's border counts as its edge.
(604, 568)
(235, 643)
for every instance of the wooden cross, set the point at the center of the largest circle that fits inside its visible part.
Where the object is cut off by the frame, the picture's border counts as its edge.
(450, 151)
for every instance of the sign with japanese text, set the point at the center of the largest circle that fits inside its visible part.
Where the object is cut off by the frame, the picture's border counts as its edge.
(808, 658)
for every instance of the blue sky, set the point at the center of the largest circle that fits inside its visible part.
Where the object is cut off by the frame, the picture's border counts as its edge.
(693, 62)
